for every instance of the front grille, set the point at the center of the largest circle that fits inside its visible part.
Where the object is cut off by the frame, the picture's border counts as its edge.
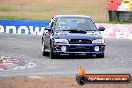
(80, 49)
(80, 41)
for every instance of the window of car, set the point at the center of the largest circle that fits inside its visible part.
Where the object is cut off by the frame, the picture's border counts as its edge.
(74, 23)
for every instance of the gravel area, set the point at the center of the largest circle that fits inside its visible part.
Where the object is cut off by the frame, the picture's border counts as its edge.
(118, 57)
(53, 82)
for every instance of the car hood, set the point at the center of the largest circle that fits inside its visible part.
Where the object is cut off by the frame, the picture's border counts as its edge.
(67, 35)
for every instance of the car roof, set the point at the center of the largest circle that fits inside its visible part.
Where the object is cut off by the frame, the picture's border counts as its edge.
(84, 16)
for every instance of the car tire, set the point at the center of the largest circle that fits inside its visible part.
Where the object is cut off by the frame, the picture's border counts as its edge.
(43, 50)
(42, 40)
(52, 54)
(100, 55)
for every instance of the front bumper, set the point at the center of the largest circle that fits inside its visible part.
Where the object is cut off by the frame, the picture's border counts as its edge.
(78, 48)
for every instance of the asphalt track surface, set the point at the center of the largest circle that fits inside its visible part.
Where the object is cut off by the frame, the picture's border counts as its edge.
(118, 57)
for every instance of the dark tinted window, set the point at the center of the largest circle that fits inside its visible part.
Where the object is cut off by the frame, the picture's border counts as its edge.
(74, 23)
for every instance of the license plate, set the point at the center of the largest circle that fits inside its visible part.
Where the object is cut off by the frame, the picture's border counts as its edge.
(81, 47)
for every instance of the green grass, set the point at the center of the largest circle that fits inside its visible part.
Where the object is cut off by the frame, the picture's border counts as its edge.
(18, 18)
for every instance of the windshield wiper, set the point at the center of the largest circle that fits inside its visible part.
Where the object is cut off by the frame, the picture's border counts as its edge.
(75, 31)
(72, 30)
(78, 30)
(91, 30)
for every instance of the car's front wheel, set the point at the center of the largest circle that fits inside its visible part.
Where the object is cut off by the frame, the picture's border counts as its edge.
(52, 54)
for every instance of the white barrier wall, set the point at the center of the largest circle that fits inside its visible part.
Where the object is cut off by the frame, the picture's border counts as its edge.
(118, 31)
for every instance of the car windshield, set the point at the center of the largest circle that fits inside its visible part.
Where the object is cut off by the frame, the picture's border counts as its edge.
(74, 23)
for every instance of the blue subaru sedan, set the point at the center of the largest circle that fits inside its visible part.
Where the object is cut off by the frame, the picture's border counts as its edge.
(72, 34)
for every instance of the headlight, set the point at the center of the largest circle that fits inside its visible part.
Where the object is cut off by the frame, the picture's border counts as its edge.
(65, 41)
(98, 41)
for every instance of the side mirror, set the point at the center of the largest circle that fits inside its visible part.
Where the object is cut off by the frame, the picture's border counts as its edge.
(101, 29)
(47, 29)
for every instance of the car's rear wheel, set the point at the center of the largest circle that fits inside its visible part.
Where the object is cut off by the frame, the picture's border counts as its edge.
(100, 55)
